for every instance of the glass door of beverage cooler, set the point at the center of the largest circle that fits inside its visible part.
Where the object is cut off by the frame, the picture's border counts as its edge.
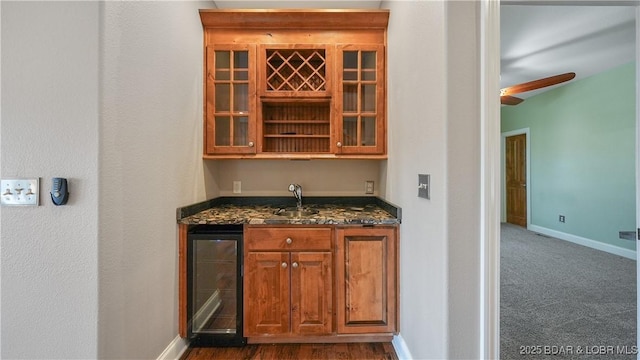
(215, 285)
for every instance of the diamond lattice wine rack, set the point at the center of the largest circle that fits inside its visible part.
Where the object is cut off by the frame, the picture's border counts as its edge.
(299, 70)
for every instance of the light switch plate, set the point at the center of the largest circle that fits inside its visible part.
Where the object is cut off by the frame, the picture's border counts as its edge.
(424, 184)
(15, 192)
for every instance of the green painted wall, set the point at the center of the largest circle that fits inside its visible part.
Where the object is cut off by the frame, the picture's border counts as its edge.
(582, 155)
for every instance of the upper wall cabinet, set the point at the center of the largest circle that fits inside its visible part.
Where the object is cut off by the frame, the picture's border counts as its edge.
(360, 121)
(295, 84)
(230, 106)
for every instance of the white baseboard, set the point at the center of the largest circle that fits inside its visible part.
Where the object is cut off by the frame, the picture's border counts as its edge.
(401, 348)
(612, 249)
(175, 349)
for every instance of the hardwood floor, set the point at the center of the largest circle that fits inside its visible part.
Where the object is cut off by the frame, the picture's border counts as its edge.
(357, 351)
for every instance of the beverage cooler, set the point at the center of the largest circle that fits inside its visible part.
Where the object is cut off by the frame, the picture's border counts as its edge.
(214, 285)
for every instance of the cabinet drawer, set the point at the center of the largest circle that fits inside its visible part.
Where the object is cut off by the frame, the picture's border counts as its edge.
(288, 238)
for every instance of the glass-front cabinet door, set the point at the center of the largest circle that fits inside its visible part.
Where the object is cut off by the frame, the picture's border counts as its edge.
(230, 99)
(361, 100)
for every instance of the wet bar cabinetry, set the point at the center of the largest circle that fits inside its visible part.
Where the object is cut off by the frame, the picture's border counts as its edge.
(294, 83)
(328, 275)
(366, 273)
(288, 281)
(320, 283)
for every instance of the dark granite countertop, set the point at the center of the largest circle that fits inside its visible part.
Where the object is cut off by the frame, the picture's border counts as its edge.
(263, 210)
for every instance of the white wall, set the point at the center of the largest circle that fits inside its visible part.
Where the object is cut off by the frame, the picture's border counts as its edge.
(434, 122)
(150, 146)
(49, 129)
(463, 180)
(317, 177)
(108, 95)
(417, 138)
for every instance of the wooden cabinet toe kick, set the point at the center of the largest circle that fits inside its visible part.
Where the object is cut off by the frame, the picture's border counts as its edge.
(339, 338)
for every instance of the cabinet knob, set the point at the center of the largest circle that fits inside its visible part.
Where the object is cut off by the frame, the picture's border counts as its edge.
(339, 144)
(294, 265)
(284, 265)
(289, 240)
(251, 144)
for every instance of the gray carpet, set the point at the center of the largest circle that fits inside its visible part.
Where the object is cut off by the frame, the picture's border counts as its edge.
(559, 300)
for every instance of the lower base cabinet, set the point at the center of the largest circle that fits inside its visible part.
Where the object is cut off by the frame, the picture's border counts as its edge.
(366, 280)
(306, 283)
(290, 292)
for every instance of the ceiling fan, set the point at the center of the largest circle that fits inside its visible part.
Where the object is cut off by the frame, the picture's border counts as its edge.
(506, 97)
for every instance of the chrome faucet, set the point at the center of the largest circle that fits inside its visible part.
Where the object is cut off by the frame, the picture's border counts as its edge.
(297, 193)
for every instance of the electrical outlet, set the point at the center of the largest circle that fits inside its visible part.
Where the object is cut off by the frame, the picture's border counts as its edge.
(237, 187)
(368, 187)
(20, 192)
(561, 218)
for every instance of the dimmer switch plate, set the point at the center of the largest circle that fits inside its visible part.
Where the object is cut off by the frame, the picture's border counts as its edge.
(19, 192)
(424, 185)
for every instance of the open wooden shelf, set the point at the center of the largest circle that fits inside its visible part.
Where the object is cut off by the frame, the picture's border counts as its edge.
(296, 127)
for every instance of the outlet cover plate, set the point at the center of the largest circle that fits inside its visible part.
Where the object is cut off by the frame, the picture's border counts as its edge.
(237, 187)
(368, 187)
(20, 192)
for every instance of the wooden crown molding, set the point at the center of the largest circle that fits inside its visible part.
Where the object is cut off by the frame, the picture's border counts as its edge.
(295, 18)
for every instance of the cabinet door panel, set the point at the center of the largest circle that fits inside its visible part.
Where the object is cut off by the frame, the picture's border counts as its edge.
(266, 293)
(311, 293)
(366, 280)
(361, 115)
(230, 92)
(365, 286)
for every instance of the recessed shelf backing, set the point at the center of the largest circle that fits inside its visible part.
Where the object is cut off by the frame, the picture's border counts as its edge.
(296, 127)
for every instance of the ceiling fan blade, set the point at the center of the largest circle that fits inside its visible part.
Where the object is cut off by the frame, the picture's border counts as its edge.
(510, 100)
(537, 84)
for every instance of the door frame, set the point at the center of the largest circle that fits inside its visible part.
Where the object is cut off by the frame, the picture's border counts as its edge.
(503, 175)
(637, 175)
(490, 171)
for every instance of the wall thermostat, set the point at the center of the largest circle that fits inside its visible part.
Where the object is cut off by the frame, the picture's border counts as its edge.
(59, 191)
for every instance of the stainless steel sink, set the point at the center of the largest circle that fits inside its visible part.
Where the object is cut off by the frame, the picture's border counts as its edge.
(296, 213)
